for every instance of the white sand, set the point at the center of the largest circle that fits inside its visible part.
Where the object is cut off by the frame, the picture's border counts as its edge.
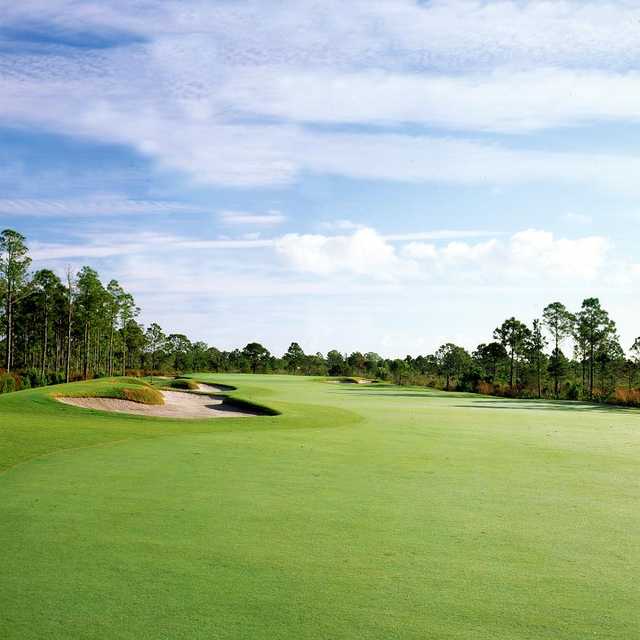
(209, 388)
(177, 404)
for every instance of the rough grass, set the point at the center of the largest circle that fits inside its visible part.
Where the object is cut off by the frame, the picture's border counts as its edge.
(183, 383)
(360, 512)
(144, 395)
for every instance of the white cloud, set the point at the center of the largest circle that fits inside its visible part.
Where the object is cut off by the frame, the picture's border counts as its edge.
(268, 219)
(365, 252)
(504, 100)
(103, 246)
(441, 234)
(183, 95)
(530, 256)
(424, 33)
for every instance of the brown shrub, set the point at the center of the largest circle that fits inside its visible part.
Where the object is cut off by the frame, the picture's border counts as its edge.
(627, 397)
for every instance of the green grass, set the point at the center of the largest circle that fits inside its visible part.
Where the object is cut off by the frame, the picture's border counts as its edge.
(360, 512)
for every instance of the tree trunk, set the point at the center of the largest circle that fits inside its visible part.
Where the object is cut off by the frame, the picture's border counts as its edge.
(511, 369)
(45, 339)
(9, 316)
(111, 351)
(69, 319)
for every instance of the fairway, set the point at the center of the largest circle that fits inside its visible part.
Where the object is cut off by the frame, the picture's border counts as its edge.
(363, 511)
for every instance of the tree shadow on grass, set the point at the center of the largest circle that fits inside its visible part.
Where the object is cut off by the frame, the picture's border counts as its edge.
(490, 402)
(545, 405)
(452, 395)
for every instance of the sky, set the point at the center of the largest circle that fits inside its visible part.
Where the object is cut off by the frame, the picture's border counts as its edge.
(380, 175)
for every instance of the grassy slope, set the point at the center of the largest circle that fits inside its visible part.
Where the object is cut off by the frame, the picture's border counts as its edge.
(420, 515)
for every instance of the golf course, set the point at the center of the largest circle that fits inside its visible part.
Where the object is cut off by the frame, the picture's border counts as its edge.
(358, 511)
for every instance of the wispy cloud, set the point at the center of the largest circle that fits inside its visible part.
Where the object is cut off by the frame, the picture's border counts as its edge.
(271, 218)
(504, 100)
(100, 205)
(176, 99)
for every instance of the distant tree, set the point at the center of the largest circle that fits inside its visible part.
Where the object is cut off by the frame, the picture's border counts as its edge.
(112, 305)
(593, 328)
(490, 357)
(560, 323)
(90, 298)
(14, 267)
(179, 346)
(127, 312)
(357, 363)
(513, 336)
(69, 314)
(335, 363)
(634, 361)
(257, 355)
(199, 356)
(535, 347)
(558, 366)
(294, 358)
(452, 361)
(372, 362)
(398, 370)
(154, 341)
(46, 285)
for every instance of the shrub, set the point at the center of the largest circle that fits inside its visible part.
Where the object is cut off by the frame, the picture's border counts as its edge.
(7, 383)
(572, 391)
(57, 377)
(485, 388)
(35, 377)
(627, 397)
(183, 383)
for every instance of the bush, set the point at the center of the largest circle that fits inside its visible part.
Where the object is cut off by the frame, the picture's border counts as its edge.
(183, 383)
(627, 397)
(485, 388)
(57, 377)
(35, 378)
(572, 391)
(8, 383)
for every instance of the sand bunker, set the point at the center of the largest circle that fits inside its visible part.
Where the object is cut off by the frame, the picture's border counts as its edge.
(177, 404)
(209, 388)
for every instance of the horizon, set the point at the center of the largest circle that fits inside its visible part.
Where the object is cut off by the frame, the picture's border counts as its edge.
(386, 177)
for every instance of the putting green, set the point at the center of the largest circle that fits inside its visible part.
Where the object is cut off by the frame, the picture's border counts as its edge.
(363, 511)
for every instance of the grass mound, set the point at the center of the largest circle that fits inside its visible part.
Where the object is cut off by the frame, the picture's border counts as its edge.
(144, 395)
(183, 383)
(131, 389)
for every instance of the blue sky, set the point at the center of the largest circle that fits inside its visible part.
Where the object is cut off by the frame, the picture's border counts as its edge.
(370, 175)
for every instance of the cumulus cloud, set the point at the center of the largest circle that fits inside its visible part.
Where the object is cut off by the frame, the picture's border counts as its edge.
(365, 252)
(526, 256)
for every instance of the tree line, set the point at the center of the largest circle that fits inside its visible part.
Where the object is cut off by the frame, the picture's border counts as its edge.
(63, 329)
